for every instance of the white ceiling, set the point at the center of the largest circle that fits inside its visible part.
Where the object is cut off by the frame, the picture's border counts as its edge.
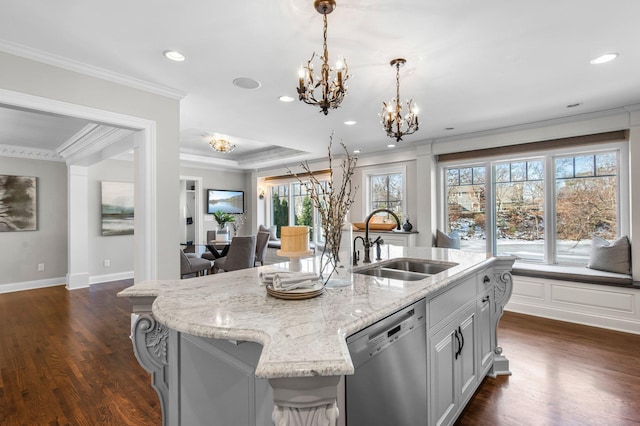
(473, 66)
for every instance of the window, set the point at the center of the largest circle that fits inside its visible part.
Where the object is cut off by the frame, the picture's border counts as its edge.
(280, 206)
(466, 205)
(291, 205)
(543, 208)
(586, 203)
(519, 208)
(385, 189)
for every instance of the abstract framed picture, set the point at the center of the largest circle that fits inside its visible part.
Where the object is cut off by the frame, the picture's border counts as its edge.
(117, 208)
(18, 210)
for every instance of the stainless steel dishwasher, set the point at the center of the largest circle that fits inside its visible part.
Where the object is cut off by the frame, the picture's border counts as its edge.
(389, 387)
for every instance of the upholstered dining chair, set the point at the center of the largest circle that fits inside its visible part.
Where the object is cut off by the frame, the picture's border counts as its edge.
(241, 255)
(193, 265)
(262, 240)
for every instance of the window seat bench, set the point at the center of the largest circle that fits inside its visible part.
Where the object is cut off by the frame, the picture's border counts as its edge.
(576, 294)
(580, 274)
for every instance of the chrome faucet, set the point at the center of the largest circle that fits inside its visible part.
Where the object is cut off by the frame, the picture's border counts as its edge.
(367, 242)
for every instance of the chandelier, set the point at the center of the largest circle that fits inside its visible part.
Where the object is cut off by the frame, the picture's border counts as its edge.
(222, 145)
(332, 88)
(393, 122)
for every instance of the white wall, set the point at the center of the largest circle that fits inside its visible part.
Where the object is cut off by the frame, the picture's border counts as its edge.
(118, 249)
(21, 252)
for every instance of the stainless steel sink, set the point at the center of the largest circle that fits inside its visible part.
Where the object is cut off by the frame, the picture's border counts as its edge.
(421, 266)
(396, 274)
(406, 269)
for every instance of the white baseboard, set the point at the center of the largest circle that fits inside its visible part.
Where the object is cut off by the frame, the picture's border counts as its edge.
(98, 279)
(610, 307)
(32, 285)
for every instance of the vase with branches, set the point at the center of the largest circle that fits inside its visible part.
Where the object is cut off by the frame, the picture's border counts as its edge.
(332, 200)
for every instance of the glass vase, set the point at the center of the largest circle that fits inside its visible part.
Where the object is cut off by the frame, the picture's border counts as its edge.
(336, 262)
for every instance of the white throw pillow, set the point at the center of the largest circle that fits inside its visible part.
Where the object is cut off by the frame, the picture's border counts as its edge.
(447, 241)
(610, 257)
(271, 230)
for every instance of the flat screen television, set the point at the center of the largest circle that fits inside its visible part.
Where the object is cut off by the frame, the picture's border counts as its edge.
(225, 200)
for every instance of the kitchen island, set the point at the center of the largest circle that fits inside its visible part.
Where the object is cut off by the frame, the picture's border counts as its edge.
(222, 351)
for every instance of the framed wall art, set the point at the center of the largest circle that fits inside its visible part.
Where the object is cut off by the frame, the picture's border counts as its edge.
(18, 210)
(117, 208)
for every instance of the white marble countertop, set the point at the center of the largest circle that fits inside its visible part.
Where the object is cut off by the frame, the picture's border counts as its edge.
(300, 338)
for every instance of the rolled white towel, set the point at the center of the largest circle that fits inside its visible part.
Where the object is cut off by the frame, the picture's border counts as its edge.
(267, 277)
(290, 281)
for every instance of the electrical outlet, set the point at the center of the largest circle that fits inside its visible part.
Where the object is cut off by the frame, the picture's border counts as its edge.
(40, 267)
(107, 263)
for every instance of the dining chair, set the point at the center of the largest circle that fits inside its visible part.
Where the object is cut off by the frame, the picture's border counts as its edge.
(262, 240)
(193, 265)
(241, 255)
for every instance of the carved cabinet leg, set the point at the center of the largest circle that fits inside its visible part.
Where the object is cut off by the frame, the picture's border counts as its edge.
(150, 343)
(305, 401)
(502, 292)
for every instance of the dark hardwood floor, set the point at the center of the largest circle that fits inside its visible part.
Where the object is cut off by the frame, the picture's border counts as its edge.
(66, 359)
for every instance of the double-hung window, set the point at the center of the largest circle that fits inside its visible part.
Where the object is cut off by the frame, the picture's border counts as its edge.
(385, 188)
(542, 207)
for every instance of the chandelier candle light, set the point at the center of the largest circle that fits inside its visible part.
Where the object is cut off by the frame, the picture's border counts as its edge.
(333, 89)
(394, 124)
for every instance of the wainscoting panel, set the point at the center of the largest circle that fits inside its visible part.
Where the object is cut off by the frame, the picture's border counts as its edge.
(611, 307)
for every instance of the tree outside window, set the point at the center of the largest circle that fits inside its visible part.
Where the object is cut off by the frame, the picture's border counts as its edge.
(582, 197)
(386, 192)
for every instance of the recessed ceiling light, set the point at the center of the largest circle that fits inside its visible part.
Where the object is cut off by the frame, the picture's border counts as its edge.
(285, 98)
(608, 57)
(174, 55)
(574, 105)
(350, 122)
(357, 151)
(246, 83)
(391, 145)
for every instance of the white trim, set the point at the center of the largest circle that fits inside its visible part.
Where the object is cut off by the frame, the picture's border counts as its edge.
(198, 207)
(144, 140)
(99, 279)
(32, 285)
(90, 70)
(29, 153)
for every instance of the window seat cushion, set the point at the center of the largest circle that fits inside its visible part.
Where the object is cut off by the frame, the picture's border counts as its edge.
(573, 273)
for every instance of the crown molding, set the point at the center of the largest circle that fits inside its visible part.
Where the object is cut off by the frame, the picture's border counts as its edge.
(90, 70)
(29, 153)
(91, 139)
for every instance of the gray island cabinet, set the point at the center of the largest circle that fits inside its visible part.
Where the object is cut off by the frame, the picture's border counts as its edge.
(222, 352)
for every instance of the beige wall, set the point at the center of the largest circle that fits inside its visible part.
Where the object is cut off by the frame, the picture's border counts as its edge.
(21, 252)
(222, 179)
(38, 79)
(118, 249)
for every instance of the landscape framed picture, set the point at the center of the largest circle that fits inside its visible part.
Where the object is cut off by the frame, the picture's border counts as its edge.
(18, 197)
(117, 208)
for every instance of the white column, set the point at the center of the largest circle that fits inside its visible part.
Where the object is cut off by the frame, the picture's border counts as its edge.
(426, 195)
(634, 193)
(78, 228)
